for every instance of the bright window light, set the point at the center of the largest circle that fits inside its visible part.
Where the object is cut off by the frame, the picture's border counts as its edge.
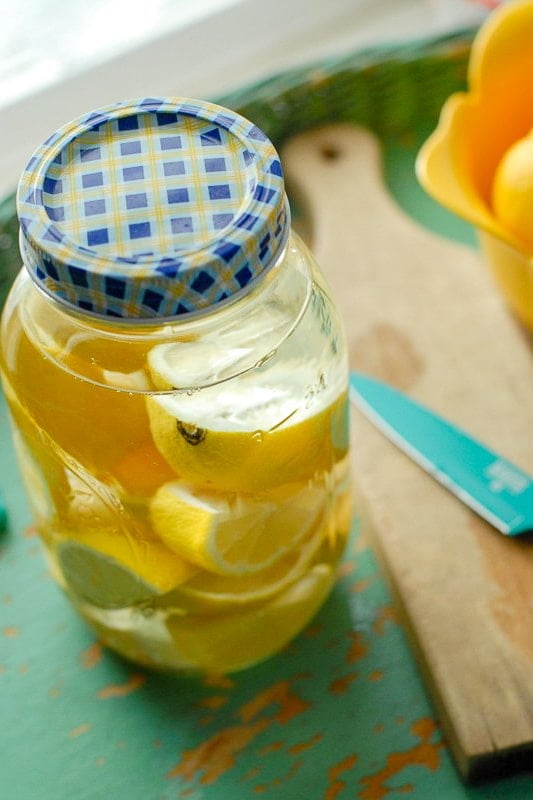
(42, 41)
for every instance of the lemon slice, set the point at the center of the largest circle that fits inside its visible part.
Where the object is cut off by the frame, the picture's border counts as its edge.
(229, 642)
(213, 442)
(210, 593)
(512, 191)
(215, 354)
(111, 570)
(235, 535)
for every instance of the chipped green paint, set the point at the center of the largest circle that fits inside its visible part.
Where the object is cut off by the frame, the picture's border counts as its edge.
(340, 714)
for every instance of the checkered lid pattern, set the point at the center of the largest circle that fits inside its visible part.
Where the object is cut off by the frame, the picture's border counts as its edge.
(152, 208)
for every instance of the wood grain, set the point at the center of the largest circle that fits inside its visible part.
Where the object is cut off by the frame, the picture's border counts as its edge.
(422, 313)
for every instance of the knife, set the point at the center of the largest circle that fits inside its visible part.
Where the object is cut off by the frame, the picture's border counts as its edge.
(493, 487)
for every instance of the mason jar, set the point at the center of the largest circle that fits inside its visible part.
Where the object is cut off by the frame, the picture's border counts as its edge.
(176, 375)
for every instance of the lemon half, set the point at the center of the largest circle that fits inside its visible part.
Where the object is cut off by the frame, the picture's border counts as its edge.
(211, 446)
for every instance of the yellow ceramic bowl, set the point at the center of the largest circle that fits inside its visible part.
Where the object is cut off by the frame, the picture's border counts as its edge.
(456, 165)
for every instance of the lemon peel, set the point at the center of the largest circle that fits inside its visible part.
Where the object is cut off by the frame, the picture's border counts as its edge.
(233, 535)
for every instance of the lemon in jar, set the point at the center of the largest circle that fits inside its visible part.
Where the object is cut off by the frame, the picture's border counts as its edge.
(251, 434)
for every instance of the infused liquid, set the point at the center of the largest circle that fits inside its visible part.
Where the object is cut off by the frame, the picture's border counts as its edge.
(191, 488)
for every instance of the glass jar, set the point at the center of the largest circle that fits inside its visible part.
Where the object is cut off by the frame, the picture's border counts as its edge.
(176, 373)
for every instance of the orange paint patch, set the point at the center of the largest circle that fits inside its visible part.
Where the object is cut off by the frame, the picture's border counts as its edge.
(423, 754)
(122, 689)
(218, 682)
(79, 730)
(301, 747)
(290, 704)
(361, 543)
(295, 766)
(341, 685)
(361, 585)
(335, 786)
(272, 747)
(358, 648)
(30, 532)
(23, 669)
(11, 632)
(99, 762)
(379, 728)
(375, 676)
(312, 630)
(7, 599)
(218, 754)
(385, 614)
(214, 702)
(92, 656)
(346, 568)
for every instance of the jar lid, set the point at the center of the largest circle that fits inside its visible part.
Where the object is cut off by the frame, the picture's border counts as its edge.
(152, 208)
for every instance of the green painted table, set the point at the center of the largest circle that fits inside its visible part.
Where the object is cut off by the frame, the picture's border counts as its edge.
(341, 713)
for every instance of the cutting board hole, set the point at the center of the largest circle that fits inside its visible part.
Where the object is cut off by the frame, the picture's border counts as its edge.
(330, 152)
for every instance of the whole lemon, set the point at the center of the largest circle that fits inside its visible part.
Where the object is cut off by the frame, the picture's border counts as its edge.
(512, 190)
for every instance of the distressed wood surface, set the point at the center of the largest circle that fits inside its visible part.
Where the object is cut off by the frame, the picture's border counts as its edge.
(422, 313)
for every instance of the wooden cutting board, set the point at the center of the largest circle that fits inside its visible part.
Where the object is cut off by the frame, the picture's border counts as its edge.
(422, 313)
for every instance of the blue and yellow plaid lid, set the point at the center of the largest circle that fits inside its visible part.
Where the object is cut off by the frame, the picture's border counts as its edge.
(152, 208)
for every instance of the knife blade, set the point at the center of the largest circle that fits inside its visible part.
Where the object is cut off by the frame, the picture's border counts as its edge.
(489, 484)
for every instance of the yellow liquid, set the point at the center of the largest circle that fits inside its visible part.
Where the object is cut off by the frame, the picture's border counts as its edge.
(92, 467)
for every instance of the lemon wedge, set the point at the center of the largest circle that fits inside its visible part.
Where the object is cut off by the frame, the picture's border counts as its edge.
(512, 190)
(112, 570)
(233, 535)
(212, 442)
(209, 593)
(233, 641)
